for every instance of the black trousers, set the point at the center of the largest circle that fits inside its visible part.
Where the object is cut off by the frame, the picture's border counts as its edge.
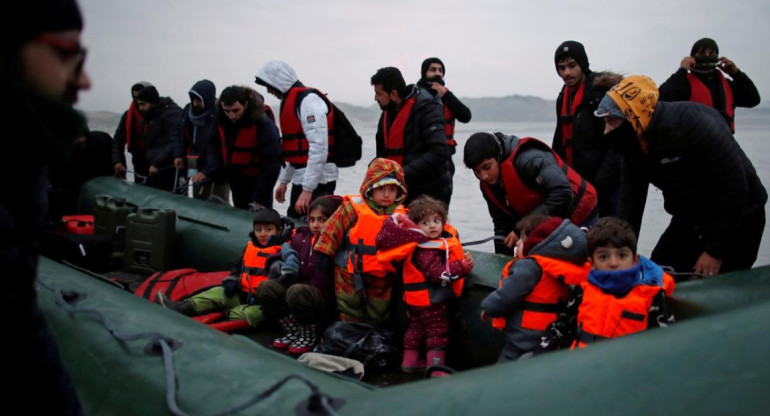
(321, 190)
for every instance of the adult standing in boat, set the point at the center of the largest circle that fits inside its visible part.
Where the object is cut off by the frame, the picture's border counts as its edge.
(432, 75)
(411, 132)
(306, 119)
(251, 147)
(130, 136)
(522, 176)
(579, 136)
(710, 187)
(197, 148)
(161, 117)
(701, 78)
(41, 71)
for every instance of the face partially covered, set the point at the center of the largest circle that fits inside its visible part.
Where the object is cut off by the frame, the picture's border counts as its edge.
(435, 70)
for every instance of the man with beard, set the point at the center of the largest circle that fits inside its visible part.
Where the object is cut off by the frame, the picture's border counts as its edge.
(251, 147)
(306, 117)
(701, 78)
(411, 132)
(432, 76)
(41, 71)
(578, 138)
(196, 146)
(130, 136)
(710, 187)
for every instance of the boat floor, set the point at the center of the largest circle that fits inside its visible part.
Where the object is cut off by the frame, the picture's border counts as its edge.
(265, 336)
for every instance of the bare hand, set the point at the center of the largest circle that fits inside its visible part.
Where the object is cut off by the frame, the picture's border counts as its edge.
(178, 163)
(280, 193)
(153, 170)
(484, 316)
(120, 170)
(440, 88)
(688, 62)
(707, 265)
(469, 260)
(728, 65)
(302, 202)
(200, 176)
(511, 239)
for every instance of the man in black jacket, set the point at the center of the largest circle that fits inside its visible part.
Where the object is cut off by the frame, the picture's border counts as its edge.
(411, 132)
(162, 118)
(432, 75)
(41, 71)
(129, 136)
(701, 78)
(578, 138)
(710, 187)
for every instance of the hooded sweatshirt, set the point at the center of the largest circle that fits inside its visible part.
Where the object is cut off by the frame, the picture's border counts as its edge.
(312, 111)
(688, 152)
(201, 130)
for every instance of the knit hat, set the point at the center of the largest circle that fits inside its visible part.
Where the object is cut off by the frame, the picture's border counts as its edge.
(23, 20)
(607, 107)
(704, 43)
(426, 64)
(540, 233)
(576, 51)
(149, 95)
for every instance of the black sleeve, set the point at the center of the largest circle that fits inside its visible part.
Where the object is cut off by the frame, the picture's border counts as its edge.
(556, 145)
(458, 109)
(660, 314)
(745, 93)
(634, 184)
(539, 170)
(434, 151)
(119, 142)
(269, 149)
(379, 137)
(676, 87)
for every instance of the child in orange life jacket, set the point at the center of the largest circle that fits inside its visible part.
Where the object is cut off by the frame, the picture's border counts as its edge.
(236, 294)
(533, 289)
(433, 271)
(362, 284)
(624, 292)
(298, 295)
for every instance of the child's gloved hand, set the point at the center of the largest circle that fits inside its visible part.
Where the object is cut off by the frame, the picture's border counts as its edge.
(290, 267)
(232, 285)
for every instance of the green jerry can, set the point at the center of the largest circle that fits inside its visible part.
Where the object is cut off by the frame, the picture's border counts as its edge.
(150, 235)
(110, 214)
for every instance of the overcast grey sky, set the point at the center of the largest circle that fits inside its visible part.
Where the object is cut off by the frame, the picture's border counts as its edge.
(491, 48)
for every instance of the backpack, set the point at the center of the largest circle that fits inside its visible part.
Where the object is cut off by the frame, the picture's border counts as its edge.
(373, 346)
(347, 143)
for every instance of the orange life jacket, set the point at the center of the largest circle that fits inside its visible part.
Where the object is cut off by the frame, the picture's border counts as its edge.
(393, 137)
(253, 265)
(602, 315)
(449, 127)
(543, 304)
(566, 110)
(700, 93)
(294, 144)
(417, 290)
(359, 253)
(134, 128)
(242, 152)
(522, 199)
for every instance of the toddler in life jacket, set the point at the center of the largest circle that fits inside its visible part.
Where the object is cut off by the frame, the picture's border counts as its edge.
(624, 293)
(236, 295)
(434, 266)
(550, 255)
(362, 284)
(297, 294)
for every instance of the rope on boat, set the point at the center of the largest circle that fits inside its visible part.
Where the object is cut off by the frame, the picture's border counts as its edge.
(318, 403)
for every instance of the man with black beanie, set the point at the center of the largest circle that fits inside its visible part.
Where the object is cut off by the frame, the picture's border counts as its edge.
(701, 78)
(578, 138)
(41, 71)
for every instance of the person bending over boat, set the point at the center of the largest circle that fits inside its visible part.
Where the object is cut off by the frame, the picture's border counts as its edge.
(519, 177)
(236, 297)
(710, 187)
(624, 293)
(363, 284)
(434, 267)
(550, 255)
(298, 294)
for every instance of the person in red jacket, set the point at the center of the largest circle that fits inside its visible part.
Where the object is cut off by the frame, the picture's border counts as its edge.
(624, 293)
(434, 266)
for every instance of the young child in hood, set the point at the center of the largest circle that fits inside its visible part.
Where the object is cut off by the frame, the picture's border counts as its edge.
(625, 292)
(550, 255)
(433, 271)
(236, 295)
(298, 295)
(363, 284)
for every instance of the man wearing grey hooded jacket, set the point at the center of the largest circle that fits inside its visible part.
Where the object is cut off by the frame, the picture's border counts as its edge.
(305, 119)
